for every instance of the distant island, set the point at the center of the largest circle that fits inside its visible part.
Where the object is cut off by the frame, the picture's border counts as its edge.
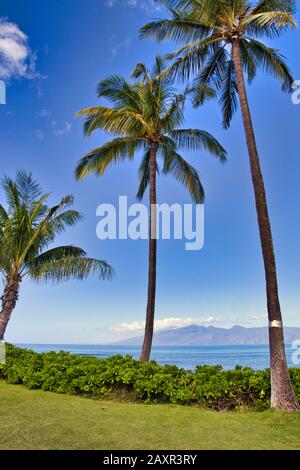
(195, 335)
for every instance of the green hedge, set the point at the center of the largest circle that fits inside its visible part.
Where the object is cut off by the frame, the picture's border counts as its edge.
(125, 378)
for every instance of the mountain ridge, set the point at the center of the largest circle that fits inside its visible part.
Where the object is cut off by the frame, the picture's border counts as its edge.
(199, 335)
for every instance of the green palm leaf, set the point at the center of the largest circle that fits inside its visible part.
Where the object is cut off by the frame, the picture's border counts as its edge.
(114, 151)
(207, 29)
(28, 226)
(144, 175)
(147, 111)
(175, 165)
(70, 267)
(271, 61)
(194, 139)
(228, 96)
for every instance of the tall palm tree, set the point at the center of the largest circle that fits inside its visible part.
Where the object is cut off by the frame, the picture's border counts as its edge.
(27, 228)
(220, 43)
(146, 115)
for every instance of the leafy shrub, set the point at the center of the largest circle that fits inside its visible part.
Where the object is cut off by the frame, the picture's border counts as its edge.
(124, 377)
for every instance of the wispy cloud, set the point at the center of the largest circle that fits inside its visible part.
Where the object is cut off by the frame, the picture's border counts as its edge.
(171, 322)
(16, 57)
(44, 113)
(56, 130)
(39, 134)
(64, 130)
(146, 5)
(116, 47)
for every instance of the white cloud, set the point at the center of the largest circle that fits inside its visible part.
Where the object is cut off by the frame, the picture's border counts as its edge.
(171, 322)
(63, 131)
(16, 57)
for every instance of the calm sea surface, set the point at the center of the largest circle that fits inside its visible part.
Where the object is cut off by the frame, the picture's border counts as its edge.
(187, 357)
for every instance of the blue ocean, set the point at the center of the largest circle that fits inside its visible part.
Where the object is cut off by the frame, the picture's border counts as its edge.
(187, 357)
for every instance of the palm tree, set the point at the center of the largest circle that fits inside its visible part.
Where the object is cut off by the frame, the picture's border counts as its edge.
(146, 116)
(221, 43)
(27, 227)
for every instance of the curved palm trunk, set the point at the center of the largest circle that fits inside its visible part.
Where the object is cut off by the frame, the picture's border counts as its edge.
(282, 394)
(148, 336)
(9, 300)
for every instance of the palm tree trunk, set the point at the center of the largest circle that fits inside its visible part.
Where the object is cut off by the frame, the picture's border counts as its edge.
(148, 336)
(9, 300)
(282, 394)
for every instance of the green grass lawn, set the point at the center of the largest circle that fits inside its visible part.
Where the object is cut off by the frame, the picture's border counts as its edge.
(41, 420)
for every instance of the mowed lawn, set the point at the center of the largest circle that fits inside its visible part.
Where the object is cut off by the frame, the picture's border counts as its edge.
(41, 420)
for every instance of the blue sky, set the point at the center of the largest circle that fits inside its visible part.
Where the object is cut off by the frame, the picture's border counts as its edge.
(69, 46)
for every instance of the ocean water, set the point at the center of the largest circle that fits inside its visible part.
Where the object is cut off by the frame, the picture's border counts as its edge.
(186, 357)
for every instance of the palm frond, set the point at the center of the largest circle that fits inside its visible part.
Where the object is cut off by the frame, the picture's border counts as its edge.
(192, 60)
(57, 253)
(58, 224)
(69, 268)
(200, 93)
(114, 151)
(39, 209)
(11, 193)
(141, 71)
(4, 217)
(263, 6)
(28, 189)
(271, 61)
(174, 115)
(271, 19)
(178, 29)
(229, 94)
(144, 175)
(120, 92)
(212, 73)
(175, 165)
(29, 226)
(159, 65)
(205, 12)
(113, 120)
(194, 139)
(249, 64)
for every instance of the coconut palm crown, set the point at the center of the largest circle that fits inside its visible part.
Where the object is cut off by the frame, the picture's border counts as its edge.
(207, 30)
(145, 113)
(27, 228)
